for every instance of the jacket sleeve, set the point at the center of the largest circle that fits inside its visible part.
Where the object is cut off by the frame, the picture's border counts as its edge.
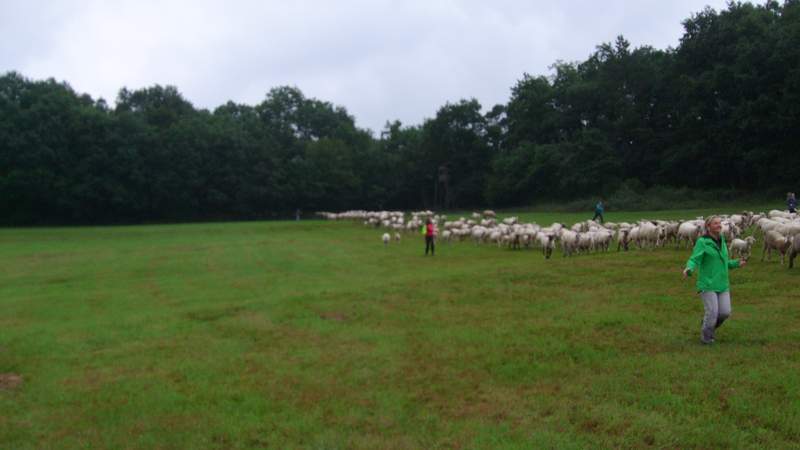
(697, 256)
(733, 264)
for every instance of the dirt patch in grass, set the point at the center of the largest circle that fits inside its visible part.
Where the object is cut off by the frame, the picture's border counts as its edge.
(332, 315)
(10, 381)
(212, 314)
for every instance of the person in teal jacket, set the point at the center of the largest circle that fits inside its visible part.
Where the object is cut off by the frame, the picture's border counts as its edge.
(598, 211)
(710, 257)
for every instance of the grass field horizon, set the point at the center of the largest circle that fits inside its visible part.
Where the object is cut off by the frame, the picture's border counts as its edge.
(312, 334)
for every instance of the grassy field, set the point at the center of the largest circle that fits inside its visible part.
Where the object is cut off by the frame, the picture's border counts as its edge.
(313, 335)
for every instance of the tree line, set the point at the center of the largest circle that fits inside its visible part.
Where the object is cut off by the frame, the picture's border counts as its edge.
(719, 111)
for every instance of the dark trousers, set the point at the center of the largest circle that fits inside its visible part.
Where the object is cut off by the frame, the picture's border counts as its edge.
(598, 214)
(429, 245)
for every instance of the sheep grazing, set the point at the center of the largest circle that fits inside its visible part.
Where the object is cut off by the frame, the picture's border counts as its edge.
(386, 238)
(569, 242)
(775, 241)
(623, 238)
(689, 231)
(742, 247)
(547, 241)
(794, 250)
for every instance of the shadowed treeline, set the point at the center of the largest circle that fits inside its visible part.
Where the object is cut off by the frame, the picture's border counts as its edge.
(718, 112)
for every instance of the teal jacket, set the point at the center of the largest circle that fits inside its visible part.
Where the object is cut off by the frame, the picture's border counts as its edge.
(713, 263)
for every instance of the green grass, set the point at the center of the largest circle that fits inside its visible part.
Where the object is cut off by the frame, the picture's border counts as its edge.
(313, 335)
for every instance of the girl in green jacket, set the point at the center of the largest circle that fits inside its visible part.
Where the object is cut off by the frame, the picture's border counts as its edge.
(710, 256)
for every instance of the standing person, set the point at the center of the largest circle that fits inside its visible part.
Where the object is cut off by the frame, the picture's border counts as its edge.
(791, 202)
(710, 256)
(598, 211)
(430, 235)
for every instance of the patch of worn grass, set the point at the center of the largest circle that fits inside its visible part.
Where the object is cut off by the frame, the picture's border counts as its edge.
(315, 335)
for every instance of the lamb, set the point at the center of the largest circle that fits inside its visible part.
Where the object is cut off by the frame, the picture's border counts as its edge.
(386, 238)
(547, 241)
(742, 247)
(775, 241)
(397, 237)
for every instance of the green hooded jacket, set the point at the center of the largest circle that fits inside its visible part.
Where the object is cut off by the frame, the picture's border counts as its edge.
(713, 262)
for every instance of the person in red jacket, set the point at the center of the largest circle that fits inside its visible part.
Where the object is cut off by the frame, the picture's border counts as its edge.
(430, 235)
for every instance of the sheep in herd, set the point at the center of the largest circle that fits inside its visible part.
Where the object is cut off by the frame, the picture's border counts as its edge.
(602, 239)
(397, 237)
(569, 241)
(775, 241)
(649, 234)
(794, 250)
(741, 247)
(386, 238)
(730, 230)
(446, 235)
(783, 214)
(496, 237)
(670, 232)
(689, 231)
(479, 233)
(623, 238)
(788, 229)
(547, 241)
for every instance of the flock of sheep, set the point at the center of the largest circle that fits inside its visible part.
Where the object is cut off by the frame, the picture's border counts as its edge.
(778, 230)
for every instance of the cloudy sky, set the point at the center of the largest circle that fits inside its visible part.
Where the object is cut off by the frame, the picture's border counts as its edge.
(381, 60)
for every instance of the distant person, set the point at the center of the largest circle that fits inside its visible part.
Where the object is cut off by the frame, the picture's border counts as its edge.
(598, 211)
(791, 202)
(297, 214)
(710, 257)
(430, 237)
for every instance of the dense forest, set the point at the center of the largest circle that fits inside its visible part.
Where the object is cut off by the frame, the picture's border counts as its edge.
(720, 111)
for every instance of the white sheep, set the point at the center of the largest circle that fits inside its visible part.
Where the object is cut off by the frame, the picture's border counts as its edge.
(689, 231)
(623, 238)
(775, 241)
(547, 241)
(794, 250)
(742, 247)
(386, 238)
(569, 241)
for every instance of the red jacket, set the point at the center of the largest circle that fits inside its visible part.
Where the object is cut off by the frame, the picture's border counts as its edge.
(430, 230)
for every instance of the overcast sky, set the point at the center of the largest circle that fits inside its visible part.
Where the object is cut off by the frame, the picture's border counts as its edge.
(381, 60)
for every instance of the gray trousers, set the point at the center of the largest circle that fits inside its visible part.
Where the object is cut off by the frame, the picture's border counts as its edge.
(717, 308)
